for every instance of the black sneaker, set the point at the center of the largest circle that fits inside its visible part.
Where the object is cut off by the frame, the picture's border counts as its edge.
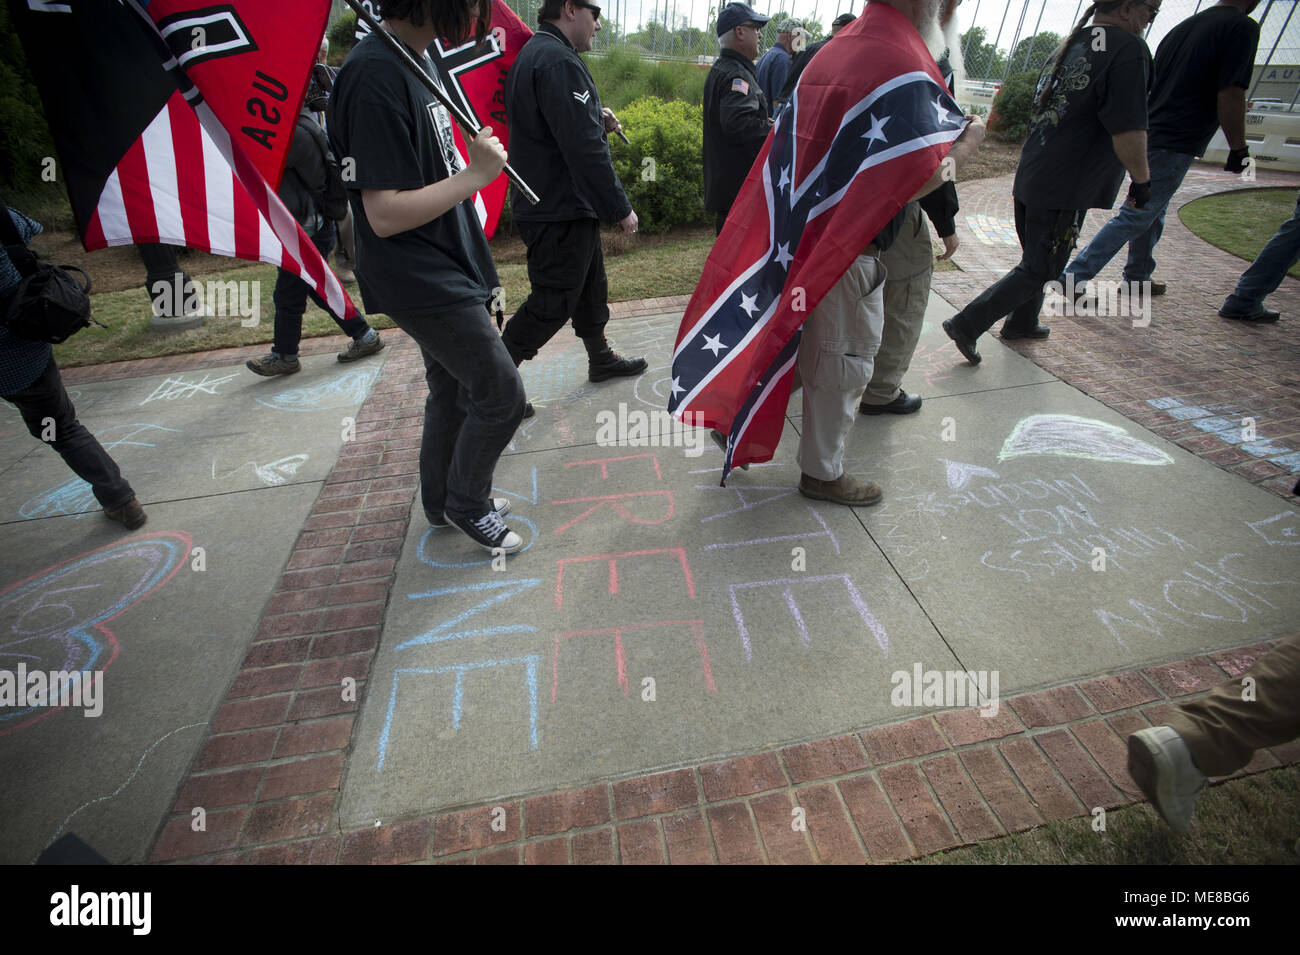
(606, 364)
(491, 532)
(130, 515)
(500, 504)
(965, 344)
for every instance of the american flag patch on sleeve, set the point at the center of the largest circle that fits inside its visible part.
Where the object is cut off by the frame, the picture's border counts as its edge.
(740, 86)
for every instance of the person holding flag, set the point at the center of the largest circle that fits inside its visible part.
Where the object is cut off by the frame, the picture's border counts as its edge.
(423, 260)
(559, 139)
(865, 132)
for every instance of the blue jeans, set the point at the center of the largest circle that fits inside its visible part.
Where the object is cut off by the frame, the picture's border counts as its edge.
(475, 403)
(1269, 268)
(290, 298)
(1140, 228)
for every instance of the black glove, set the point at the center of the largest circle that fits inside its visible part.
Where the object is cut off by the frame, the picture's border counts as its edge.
(1237, 159)
(1140, 193)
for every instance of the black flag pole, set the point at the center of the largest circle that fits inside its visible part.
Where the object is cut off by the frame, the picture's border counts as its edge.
(466, 123)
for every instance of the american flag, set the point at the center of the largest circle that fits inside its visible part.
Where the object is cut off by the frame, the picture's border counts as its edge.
(143, 155)
(869, 123)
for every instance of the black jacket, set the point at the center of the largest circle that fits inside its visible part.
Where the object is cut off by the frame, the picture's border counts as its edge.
(736, 122)
(305, 172)
(557, 136)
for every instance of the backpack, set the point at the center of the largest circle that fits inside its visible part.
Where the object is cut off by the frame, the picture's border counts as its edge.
(333, 202)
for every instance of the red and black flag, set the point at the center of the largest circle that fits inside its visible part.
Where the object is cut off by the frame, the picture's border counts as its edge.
(145, 157)
(869, 123)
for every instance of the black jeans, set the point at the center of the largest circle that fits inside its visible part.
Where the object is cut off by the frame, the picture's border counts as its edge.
(160, 266)
(46, 398)
(475, 403)
(1047, 237)
(290, 298)
(567, 272)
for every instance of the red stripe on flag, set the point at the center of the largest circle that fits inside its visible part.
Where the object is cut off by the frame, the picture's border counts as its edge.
(187, 143)
(137, 194)
(94, 237)
(247, 233)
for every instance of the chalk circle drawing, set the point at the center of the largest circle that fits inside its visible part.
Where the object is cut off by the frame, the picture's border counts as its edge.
(1069, 436)
(428, 537)
(273, 473)
(959, 474)
(660, 387)
(74, 496)
(342, 391)
(57, 619)
(174, 388)
(1280, 529)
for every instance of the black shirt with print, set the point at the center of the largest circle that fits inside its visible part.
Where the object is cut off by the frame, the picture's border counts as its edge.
(1068, 160)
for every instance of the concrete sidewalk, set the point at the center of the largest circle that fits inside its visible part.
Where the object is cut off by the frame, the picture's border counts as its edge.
(671, 671)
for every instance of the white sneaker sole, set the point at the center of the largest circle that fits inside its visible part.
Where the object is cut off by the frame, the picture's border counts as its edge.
(500, 504)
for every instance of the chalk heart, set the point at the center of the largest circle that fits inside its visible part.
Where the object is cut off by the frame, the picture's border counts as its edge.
(1073, 437)
(56, 619)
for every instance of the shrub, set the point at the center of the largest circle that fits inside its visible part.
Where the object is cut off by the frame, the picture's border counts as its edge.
(1009, 118)
(623, 75)
(662, 170)
(342, 35)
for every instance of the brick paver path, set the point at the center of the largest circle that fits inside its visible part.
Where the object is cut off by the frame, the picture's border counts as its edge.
(269, 773)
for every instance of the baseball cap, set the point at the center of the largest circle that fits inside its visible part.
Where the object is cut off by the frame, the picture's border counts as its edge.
(738, 14)
(789, 25)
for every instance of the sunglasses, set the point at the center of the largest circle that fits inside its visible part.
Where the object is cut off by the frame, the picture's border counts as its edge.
(595, 10)
(1154, 8)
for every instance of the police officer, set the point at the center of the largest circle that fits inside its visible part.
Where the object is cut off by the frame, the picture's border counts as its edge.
(559, 145)
(736, 114)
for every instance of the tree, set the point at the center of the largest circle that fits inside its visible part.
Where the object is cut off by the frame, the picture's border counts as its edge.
(983, 59)
(1032, 53)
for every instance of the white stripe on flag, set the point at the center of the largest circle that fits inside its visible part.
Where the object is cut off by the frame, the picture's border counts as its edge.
(219, 189)
(762, 399)
(112, 212)
(269, 247)
(160, 161)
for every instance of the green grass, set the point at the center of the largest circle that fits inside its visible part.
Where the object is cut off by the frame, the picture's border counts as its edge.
(1241, 222)
(1252, 820)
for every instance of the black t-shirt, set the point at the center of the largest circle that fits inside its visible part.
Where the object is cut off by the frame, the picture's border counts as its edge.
(1068, 160)
(1200, 57)
(399, 137)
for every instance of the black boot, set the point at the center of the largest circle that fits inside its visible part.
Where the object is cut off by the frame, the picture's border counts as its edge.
(602, 363)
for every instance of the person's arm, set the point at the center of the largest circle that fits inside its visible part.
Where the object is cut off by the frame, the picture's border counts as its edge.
(941, 208)
(1232, 116)
(390, 211)
(579, 130)
(961, 152)
(741, 114)
(1131, 148)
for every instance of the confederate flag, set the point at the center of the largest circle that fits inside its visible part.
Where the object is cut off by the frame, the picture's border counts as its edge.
(144, 157)
(475, 78)
(868, 124)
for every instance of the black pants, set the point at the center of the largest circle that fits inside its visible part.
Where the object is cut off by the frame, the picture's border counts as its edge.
(46, 398)
(290, 298)
(567, 272)
(1047, 237)
(475, 403)
(160, 266)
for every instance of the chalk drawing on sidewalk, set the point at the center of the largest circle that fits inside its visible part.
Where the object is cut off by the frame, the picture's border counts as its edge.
(273, 473)
(787, 584)
(501, 591)
(745, 503)
(172, 389)
(1283, 529)
(1227, 423)
(74, 496)
(620, 653)
(959, 474)
(529, 663)
(1070, 436)
(807, 535)
(341, 391)
(991, 230)
(55, 620)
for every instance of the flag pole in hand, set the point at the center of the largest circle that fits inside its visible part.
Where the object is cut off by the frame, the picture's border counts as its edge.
(466, 123)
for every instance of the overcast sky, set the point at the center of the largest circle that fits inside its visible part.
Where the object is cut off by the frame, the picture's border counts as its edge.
(994, 15)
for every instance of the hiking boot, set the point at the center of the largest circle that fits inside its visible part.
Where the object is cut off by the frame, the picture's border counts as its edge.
(843, 490)
(130, 515)
(273, 365)
(499, 504)
(345, 274)
(491, 532)
(603, 363)
(1158, 288)
(361, 347)
(1161, 764)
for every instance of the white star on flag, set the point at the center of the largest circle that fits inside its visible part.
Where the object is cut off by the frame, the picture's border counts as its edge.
(785, 179)
(677, 386)
(942, 112)
(783, 256)
(877, 129)
(713, 343)
(748, 304)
